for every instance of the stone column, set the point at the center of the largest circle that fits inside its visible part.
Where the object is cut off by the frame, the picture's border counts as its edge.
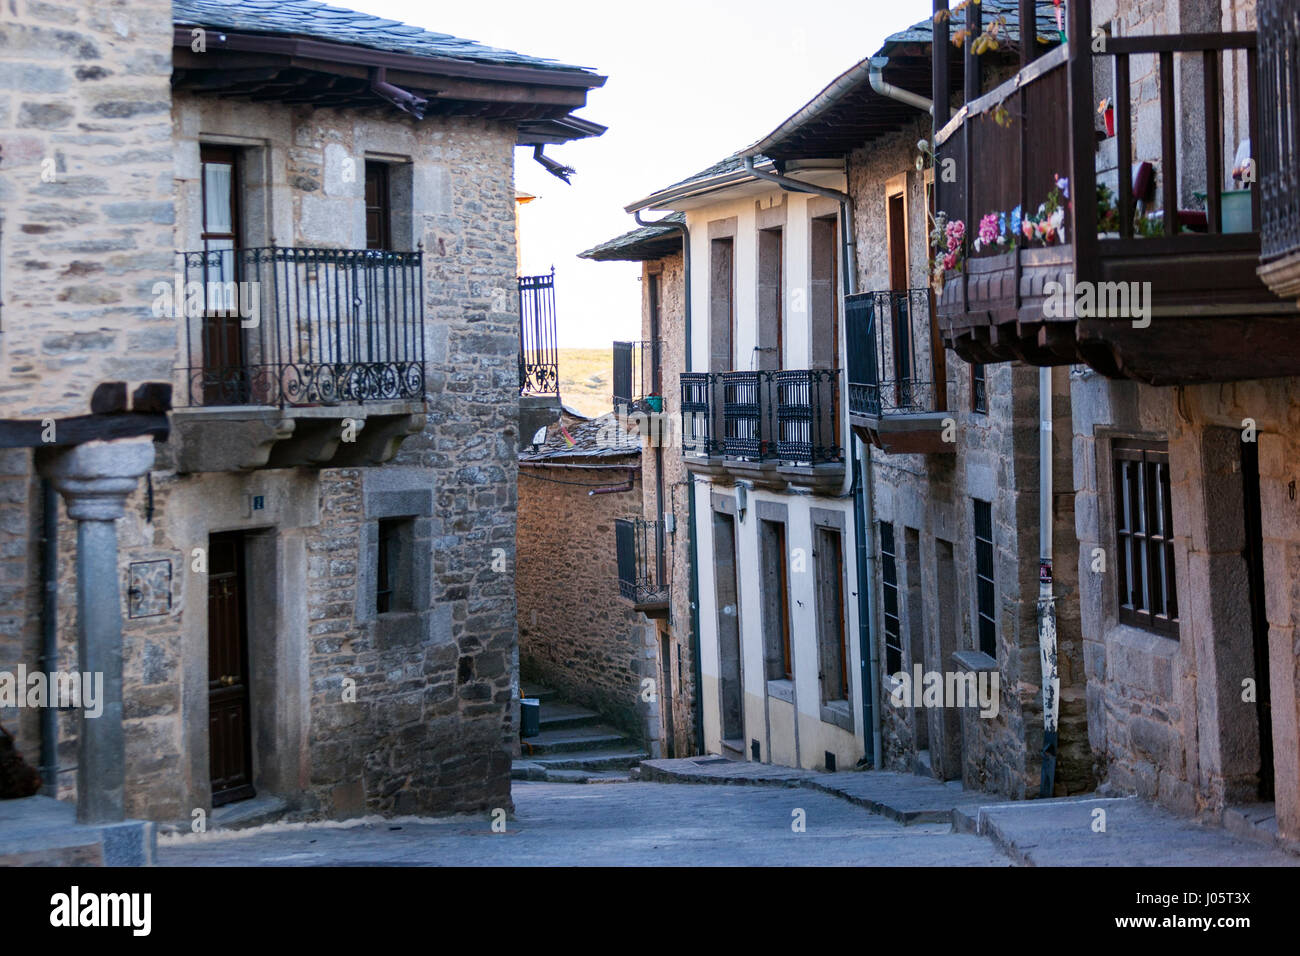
(95, 480)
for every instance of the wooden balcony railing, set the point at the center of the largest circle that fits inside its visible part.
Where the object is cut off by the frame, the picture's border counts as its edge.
(1032, 144)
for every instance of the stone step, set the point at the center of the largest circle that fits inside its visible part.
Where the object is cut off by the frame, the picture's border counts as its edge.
(531, 770)
(568, 739)
(539, 691)
(559, 715)
(610, 758)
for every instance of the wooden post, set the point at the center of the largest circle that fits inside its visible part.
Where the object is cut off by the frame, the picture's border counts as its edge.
(1028, 32)
(1083, 143)
(940, 85)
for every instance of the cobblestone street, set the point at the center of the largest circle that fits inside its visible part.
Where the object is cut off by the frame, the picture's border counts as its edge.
(627, 824)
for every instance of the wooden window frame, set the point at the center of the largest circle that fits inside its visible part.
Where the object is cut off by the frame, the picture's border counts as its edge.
(979, 388)
(384, 209)
(1144, 536)
(893, 629)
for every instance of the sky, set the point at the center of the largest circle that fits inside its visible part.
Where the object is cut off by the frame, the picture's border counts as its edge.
(689, 83)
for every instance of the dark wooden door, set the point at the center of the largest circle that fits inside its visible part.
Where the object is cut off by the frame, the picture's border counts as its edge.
(225, 371)
(228, 711)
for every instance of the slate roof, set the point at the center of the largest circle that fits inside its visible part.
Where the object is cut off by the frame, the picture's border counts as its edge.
(595, 440)
(642, 243)
(309, 18)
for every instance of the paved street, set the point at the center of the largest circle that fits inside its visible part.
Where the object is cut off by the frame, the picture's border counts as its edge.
(622, 824)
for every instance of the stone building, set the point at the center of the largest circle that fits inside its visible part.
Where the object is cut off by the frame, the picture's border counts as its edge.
(657, 576)
(1181, 363)
(954, 455)
(575, 634)
(318, 570)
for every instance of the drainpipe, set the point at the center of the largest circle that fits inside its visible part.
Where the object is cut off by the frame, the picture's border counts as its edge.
(877, 78)
(864, 508)
(1046, 601)
(49, 631)
(692, 545)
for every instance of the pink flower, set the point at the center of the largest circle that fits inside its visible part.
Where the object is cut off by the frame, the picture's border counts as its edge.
(950, 261)
(1027, 227)
(989, 229)
(956, 232)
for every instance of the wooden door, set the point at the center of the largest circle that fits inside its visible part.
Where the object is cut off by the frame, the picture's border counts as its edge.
(225, 373)
(230, 753)
(1254, 554)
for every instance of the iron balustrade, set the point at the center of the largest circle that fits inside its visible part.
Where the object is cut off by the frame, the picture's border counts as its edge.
(790, 415)
(639, 545)
(286, 326)
(634, 366)
(539, 357)
(807, 415)
(700, 433)
(1279, 122)
(890, 331)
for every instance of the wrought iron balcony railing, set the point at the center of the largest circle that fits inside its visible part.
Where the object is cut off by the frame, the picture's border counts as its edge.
(539, 357)
(285, 326)
(1279, 141)
(790, 415)
(639, 545)
(635, 367)
(889, 332)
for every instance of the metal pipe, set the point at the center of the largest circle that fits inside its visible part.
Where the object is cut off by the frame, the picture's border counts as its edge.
(49, 631)
(877, 78)
(692, 544)
(1046, 601)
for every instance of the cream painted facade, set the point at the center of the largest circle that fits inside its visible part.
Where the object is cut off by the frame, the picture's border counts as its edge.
(788, 719)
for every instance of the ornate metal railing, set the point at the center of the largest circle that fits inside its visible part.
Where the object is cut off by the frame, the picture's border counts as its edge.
(539, 357)
(807, 415)
(639, 545)
(284, 326)
(700, 431)
(790, 415)
(890, 332)
(1279, 126)
(634, 367)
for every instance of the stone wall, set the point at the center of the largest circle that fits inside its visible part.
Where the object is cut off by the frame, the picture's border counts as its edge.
(85, 228)
(577, 636)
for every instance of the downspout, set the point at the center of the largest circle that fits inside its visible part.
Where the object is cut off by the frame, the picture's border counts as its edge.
(692, 545)
(877, 78)
(49, 632)
(1046, 601)
(864, 508)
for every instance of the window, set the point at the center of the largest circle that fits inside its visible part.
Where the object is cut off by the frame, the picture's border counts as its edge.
(824, 293)
(771, 331)
(392, 577)
(832, 630)
(222, 337)
(889, 572)
(722, 311)
(776, 602)
(379, 213)
(985, 591)
(1148, 594)
(979, 400)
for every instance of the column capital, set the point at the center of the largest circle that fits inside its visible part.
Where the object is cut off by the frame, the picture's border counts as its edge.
(96, 478)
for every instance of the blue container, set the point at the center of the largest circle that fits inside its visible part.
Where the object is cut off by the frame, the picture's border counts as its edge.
(530, 716)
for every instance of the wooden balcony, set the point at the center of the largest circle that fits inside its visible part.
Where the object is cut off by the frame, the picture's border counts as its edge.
(897, 383)
(1150, 285)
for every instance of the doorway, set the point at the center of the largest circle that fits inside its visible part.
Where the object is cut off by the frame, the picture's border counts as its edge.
(229, 749)
(1254, 554)
(730, 695)
(666, 692)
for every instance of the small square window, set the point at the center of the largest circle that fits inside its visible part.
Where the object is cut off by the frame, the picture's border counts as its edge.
(1148, 593)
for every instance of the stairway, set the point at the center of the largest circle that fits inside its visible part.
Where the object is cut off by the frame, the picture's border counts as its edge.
(574, 745)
